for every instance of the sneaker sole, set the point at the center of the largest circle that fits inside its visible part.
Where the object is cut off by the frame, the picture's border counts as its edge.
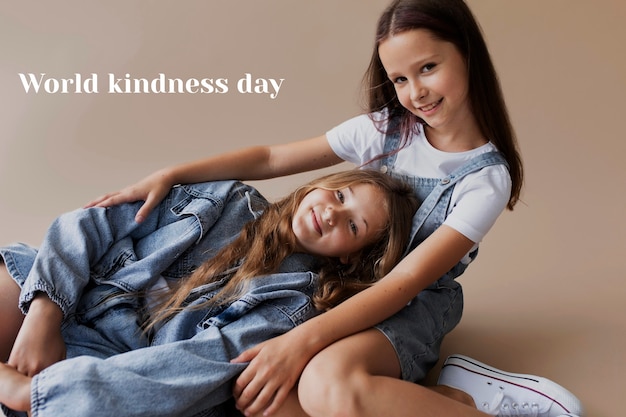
(568, 402)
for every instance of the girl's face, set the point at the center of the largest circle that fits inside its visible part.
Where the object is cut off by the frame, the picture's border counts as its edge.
(430, 77)
(339, 223)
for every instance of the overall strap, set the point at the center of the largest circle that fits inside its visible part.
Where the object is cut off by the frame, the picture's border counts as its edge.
(447, 183)
(392, 142)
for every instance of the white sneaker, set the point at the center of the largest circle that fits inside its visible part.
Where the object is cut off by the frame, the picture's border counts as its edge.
(502, 393)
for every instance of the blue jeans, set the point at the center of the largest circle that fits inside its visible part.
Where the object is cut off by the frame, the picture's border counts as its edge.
(93, 263)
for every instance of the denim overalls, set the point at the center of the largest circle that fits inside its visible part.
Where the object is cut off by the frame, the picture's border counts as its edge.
(93, 262)
(417, 331)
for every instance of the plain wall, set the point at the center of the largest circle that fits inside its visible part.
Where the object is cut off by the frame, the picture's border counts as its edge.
(546, 294)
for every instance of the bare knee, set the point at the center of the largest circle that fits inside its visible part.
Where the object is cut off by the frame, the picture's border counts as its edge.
(11, 317)
(339, 381)
(328, 389)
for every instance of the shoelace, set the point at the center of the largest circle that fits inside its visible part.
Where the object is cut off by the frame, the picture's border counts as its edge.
(507, 410)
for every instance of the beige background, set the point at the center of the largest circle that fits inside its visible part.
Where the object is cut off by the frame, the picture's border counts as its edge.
(546, 296)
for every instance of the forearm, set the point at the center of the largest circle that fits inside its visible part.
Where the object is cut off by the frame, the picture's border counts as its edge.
(420, 268)
(245, 164)
(256, 163)
(360, 312)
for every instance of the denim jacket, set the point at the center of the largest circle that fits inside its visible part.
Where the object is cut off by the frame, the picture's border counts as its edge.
(106, 246)
(93, 262)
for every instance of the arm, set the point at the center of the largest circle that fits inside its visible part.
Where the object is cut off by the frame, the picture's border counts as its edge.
(254, 163)
(420, 268)
(277, 364)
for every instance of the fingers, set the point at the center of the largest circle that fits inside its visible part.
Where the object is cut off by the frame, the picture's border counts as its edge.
(269, 400)
(277, 403)
(147, 207)
(97, 201)
(248, 374)
(255, 397)
(106, 200)
(249, 386)
(113, 199)
(246, 356)
(266, 381)
(255, 392)
(242, 382)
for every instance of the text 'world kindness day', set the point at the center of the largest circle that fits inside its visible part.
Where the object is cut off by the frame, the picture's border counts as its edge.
(161, 84)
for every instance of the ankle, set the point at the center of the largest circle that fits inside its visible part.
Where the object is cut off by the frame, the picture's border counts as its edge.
(455, 394)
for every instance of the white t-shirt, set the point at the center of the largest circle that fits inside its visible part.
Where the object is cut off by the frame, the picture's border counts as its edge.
(477, 199)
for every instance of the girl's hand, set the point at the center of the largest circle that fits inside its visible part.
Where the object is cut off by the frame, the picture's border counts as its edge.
(275, 367)
(151, 189)
(39, 343)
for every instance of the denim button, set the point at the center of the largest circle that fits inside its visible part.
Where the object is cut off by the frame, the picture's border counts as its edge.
(445, 181)
(383, 169)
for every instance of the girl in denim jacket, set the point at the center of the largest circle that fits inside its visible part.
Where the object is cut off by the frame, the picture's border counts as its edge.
(145, 339)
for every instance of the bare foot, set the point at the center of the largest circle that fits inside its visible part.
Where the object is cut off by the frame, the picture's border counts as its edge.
(14, 389)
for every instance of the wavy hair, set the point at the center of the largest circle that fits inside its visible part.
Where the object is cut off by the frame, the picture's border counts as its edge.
(451, 21)
(266, 241)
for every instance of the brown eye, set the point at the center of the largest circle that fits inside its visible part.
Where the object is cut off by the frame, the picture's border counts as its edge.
(428, 67)
(353, 228)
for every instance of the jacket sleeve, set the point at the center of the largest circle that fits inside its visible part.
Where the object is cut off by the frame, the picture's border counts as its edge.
(107, 246)
(74, 242)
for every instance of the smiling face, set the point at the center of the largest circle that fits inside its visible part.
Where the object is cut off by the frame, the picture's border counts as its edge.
(430, 78)
(339, 223)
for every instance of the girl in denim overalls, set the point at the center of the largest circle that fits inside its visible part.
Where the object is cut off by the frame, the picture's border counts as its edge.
(436, 117)
(97, 270)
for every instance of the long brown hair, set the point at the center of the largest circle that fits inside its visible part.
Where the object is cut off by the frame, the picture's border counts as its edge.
(266, 241)
(451, 21)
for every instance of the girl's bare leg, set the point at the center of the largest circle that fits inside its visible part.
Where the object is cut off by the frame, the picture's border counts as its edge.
(14, 389)
(11, 317)
(358, 376)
